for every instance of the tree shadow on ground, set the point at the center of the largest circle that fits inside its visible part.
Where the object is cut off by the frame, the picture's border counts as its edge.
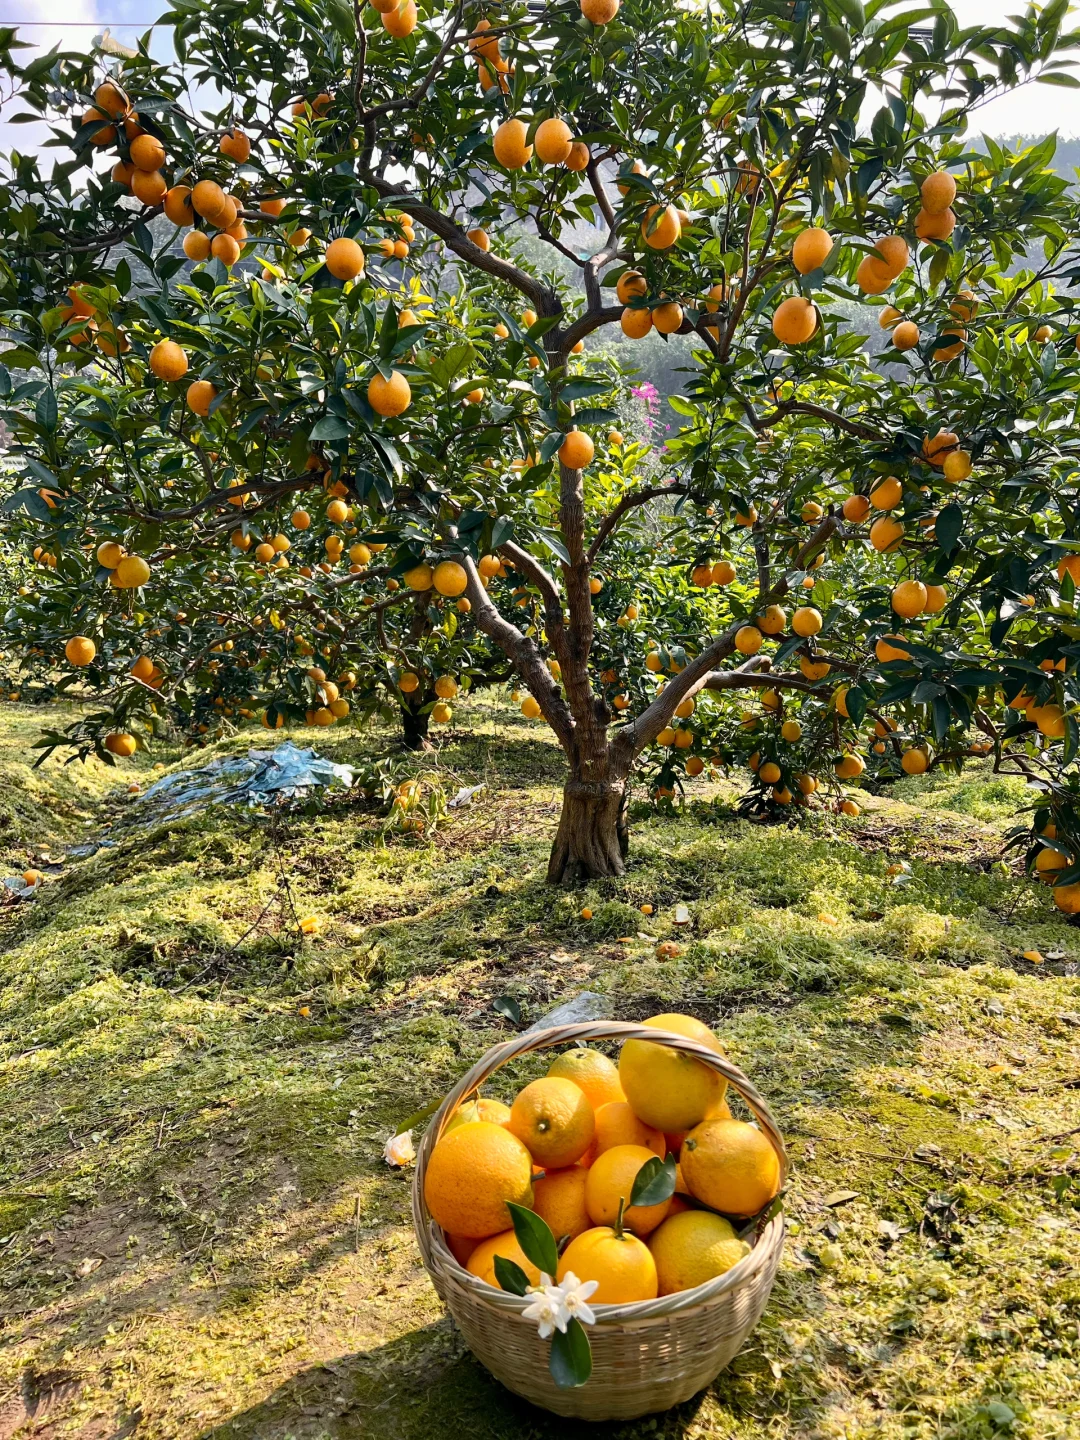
(421, 1386)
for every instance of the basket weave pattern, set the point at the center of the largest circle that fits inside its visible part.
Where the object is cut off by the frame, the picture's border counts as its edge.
(648, 1355)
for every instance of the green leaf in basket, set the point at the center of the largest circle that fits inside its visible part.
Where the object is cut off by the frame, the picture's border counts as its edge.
(535, 1238)
(655, 1182)
(510, 1276)
(570, 1361)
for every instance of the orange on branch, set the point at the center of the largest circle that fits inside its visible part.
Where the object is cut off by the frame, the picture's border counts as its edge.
(511, 144)
(553, 141)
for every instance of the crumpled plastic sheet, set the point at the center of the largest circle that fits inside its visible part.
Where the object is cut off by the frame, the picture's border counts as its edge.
(261, 777)
(587, 1006)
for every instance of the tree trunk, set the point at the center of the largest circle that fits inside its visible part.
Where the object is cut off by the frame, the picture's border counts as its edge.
(592, 838)
(414, 728)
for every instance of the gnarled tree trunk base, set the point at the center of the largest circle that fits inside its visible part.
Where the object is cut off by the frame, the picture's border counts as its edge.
(592, 838)
(414, 729)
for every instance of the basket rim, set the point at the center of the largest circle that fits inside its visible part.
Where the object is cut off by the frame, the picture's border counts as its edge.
(437, 1257)
(744, 1272)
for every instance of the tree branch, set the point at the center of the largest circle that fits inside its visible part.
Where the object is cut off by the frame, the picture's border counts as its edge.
(524, 654)
(629, 502)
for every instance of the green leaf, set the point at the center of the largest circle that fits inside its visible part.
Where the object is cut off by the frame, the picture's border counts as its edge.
(555, 545)
(535, 1238)
(948, 526)
(654, 1182)
(46, 410)
(570, 1362)
(330, 427)
(508, 1007)
(511, 1276)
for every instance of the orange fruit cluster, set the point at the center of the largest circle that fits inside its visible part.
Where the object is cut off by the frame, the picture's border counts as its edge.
(571, 1146)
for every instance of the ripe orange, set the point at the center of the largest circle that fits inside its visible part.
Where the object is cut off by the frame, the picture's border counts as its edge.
(80, 650)
(592, 1072)
(120, 743)
(147, 153)
(616, 1124)
(668, 317)
(200, 396)
(795, 321)
(661, 227)
(887, 493)
(132, 572)
(730, 1166)
(473, 1171)
(178, 206)
(957, 466)
(197, 246)
(811, 249)
(236, 145)
(909, 598)
(109, 554)
(693, 1247)
(748, 640)
(609, 1182)
(168, 360)
(559, 1198)
(631, 285)
(344, 259)
(929, 226)
(553, 1118)
(389, 397)
(510, 144)
(450, 578)
(600, 12)
(666, 1088)
(849, 767)
(553, 140)
(723, 572)
(419, 578)
(914, 762)
(856, 508)
(401, 20)
(621, 1264)
(579, 156)
(938, 191)
(482, 1258)
(635, 324)
(209, 201)
(577, 450)
(224, 248)
(806, 621)
(886, 534)
(886, 649)
(906, 335)
(149, 186)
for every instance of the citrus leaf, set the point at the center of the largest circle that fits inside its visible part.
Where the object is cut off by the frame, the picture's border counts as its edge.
(535, 1238)
(570, 1361)
(654, 1182)
(511, 1276)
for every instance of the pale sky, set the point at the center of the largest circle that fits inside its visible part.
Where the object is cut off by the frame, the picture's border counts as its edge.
(1033, 109)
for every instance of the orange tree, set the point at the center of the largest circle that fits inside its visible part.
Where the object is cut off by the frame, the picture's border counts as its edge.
(737, 190)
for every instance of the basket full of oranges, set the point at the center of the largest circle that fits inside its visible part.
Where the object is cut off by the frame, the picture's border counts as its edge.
(607, 1241)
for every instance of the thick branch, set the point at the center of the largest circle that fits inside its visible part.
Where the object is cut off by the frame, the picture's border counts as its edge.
(585, 325)
(542, 296)
(524, 654)
(629, 502)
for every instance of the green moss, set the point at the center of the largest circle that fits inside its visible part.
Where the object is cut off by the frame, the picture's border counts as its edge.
(196, 1096)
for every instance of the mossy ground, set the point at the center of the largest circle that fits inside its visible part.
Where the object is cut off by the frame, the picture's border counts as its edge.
(198, 1236)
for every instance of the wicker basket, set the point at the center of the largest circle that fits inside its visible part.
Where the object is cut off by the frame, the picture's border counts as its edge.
(648, 1355)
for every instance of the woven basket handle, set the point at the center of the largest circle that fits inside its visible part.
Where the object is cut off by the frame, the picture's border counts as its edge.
(500, 1055)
